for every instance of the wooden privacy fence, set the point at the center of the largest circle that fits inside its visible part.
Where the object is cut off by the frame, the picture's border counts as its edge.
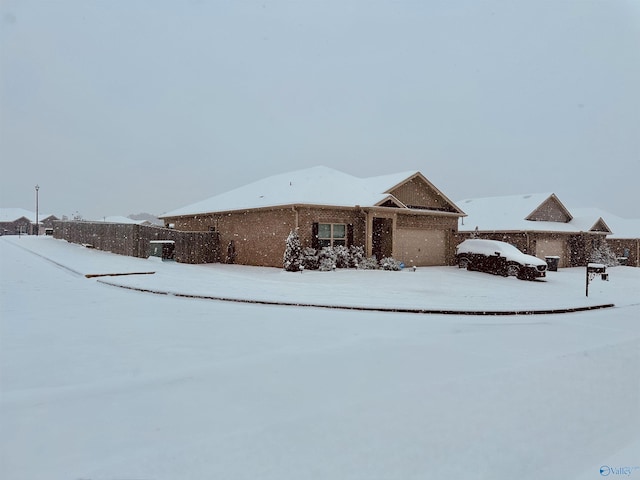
(133, 240)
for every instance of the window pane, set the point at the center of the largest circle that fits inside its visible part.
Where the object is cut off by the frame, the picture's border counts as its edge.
(339, 231)
(339, 242)
(324, 243)
(324, 230)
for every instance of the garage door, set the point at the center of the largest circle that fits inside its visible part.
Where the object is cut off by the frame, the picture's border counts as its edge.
(546, 248)
(420, 247)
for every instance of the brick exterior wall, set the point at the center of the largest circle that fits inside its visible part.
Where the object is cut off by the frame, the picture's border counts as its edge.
(248, 238)
(259, 236)
(308, 216)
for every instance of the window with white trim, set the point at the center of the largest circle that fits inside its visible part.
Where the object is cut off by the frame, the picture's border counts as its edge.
(332, 234)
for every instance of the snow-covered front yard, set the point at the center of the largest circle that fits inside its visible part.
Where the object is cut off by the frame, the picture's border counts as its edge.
(100, 383)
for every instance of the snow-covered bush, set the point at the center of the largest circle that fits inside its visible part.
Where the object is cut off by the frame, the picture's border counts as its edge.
(343, 256)
(604, 255)
(356, 256)
(292, 253)
(328, 258)
(310, 259)
(370, 263)
(389, 263)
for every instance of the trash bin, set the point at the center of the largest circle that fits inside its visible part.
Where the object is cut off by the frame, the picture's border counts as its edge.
(552, 263)
(162, 248)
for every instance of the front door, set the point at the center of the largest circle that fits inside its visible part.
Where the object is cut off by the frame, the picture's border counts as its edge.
(382, 238)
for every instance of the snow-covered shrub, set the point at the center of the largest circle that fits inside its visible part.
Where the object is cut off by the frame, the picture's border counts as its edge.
(389, 263)
(328, 258)
(356, 256)
(292, 253)
(310, 259)
(343, 256)
(370, 263)
(604, 255)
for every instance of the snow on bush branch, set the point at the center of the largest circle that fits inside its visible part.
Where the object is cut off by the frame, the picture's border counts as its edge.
(604, 255)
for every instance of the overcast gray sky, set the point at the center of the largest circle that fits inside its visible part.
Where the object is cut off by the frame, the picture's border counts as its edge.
(120, 107)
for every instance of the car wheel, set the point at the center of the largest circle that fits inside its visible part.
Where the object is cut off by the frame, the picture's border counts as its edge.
(463, 262)
(513, 270)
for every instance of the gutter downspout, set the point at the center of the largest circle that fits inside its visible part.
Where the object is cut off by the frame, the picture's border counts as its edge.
(297, 217)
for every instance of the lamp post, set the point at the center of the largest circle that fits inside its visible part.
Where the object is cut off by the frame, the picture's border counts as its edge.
(37, 219)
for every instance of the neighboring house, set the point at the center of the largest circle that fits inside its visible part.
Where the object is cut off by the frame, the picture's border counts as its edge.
(624, 239)
(538, 224)
(16, 221)
(124, 220)
(402, 215)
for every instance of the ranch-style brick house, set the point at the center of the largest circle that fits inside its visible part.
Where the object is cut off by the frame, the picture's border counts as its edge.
(403, 216)
(538, 224)
(18, 221)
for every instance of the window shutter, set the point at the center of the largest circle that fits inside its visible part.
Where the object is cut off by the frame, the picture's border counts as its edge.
(349, 235)
(314, 235)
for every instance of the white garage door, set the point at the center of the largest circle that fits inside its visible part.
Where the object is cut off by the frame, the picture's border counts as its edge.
(546, 248)
(420, 247)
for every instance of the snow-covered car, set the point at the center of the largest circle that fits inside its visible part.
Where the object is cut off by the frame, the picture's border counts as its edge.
(499, 258)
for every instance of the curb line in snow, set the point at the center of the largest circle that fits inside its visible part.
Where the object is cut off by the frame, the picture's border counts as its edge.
(366, 309)
(94, 275)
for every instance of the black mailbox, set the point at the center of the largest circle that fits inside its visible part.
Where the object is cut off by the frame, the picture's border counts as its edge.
(596, 268)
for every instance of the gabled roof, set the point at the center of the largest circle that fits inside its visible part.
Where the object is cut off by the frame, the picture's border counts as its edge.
(550, 210)
(526, 213)
(618, 226)
(313, 186)
(13, 214)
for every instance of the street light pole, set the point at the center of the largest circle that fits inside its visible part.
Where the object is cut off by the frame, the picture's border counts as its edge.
(37, 219)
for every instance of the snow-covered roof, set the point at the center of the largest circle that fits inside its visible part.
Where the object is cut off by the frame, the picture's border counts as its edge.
(121, 219)
(313, 186)
(620, 227)
(13, 214)
(510, 213)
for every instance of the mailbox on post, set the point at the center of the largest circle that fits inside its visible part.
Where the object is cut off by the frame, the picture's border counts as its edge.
(594, 269)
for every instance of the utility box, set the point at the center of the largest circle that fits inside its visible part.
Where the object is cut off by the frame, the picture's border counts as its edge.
(164, 249)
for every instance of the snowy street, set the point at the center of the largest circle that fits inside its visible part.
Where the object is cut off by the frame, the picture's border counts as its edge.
(99, 382)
